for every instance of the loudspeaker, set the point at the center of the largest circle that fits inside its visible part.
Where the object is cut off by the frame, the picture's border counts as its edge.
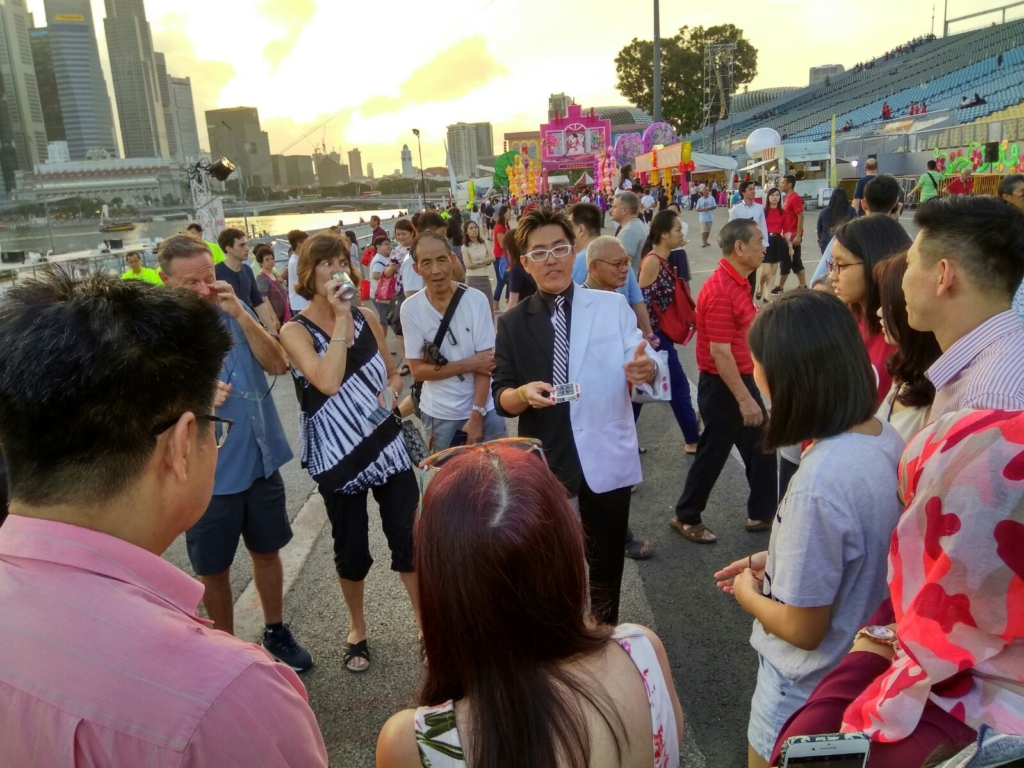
(992, 152)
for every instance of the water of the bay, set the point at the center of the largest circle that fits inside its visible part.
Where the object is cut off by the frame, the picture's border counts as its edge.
(86, 235)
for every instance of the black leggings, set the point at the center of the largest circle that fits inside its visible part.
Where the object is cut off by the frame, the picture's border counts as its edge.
(350, 525)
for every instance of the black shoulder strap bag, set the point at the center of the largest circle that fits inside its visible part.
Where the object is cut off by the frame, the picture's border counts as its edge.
(432, 352)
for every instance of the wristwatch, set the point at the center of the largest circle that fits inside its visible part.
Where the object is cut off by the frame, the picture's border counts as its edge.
(879, 634)
(480, 409)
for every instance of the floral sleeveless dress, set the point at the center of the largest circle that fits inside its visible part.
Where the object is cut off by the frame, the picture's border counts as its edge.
(437, 736)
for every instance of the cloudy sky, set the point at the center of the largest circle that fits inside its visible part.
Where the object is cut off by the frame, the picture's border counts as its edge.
(373, 70)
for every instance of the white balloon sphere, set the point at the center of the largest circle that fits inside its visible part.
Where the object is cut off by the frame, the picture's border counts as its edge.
(761, 139)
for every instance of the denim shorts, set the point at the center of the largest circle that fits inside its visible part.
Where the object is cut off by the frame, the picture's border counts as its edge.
(776, 698)
(441, 432)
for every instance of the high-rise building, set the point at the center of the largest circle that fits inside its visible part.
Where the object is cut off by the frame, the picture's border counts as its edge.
(22, 127)
(558, 102)
(467, 144)
(46, 81)
(408, 170)
(163, 82)
(820, 74)
(369, 170)
(235, 133)
(133, 70)
(83, 101)
(185, 126)
(293, 171)
(355, 163)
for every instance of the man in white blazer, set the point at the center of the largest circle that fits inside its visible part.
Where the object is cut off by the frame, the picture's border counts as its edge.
(565, 334)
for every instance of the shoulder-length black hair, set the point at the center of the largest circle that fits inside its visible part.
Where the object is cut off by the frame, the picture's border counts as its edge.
(872, 239)
(916, 350)
(768, 196)
(819, 376)
(839, 210)
(661, 225)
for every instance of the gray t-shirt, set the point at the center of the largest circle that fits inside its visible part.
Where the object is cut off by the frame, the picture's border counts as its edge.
(633, 236)
(830, 545)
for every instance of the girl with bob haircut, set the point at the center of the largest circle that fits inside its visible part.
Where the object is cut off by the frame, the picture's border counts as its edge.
(825, 568)
(519, 674)
(859, 246)
(909, 401)
(346, 382)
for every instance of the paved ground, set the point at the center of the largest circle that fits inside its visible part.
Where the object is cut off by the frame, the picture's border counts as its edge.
(705, 633)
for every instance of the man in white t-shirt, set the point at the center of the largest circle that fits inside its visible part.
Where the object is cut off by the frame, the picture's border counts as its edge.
(456, 402)
(648, 201)
(295, 238)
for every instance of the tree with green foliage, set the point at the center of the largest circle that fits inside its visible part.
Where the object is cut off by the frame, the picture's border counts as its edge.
(682, 72)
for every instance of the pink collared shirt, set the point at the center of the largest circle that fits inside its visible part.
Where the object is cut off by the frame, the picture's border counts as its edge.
(105, 662)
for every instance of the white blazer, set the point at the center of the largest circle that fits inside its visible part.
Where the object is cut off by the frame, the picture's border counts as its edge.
(602, 338)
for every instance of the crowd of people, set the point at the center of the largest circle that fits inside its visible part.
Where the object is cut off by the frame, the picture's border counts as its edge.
(877, 411)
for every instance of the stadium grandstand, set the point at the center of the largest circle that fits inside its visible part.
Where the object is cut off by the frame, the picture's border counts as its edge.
(751, 100)
(986, 63)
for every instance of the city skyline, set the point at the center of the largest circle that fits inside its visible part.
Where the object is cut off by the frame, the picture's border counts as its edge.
(442, 79)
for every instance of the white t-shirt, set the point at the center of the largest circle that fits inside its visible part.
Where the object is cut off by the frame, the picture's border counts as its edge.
(378, 264)
(411, 282)
(648, 202)
(472, 329)
(830, 545)
(296, 302)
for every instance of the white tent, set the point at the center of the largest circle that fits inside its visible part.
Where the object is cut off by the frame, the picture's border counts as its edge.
(558, 181)
(585, 180)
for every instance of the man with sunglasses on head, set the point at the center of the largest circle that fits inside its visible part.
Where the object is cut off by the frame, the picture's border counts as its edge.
(560, 339)
(107, 661)
(455, 403)
(248, 493)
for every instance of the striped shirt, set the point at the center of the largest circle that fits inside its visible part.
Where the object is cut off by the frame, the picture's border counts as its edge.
(724, 315)
(106, 662)
(984, 369)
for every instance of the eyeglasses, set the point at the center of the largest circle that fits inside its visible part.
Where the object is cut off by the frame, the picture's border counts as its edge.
(615, 264)
(525, 444)
(834, 267)
(221, 427)
(541, 254)
(237, 391)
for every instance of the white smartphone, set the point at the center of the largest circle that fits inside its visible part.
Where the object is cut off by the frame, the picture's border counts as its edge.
(830, 750)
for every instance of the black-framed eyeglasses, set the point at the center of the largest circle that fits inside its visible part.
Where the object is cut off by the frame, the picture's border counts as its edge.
(221, 427)
(835, 268)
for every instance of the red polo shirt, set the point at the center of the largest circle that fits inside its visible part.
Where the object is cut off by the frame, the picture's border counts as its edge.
(958, 187)
(725, 313)
(792, 210)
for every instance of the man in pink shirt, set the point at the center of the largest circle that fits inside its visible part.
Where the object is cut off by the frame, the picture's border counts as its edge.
(105, 661)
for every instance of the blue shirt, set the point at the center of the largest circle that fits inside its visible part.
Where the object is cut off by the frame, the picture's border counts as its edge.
(631, 290)
(822, 269)
(256, 446)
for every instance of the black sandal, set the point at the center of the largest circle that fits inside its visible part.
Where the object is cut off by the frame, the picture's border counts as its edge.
(358, 650)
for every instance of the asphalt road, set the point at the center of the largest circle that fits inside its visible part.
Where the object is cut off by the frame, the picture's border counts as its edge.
(704, 631)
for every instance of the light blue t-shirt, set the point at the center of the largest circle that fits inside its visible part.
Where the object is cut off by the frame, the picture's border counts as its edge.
(631, 290)
(830, 545)
(1018, 302)
(822, 269)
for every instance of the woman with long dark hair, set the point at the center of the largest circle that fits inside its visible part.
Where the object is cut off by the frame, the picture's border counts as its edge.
(909, 400)
(825, 567)
(351, 445)
(860, 245)
(521, 284)
(838, 212)
(519, 674)
(477, 260)
(625, 178)
(776, 249)
(658, 283)
(501, 226)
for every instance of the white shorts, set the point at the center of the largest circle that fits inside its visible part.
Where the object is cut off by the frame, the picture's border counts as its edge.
(775, 700)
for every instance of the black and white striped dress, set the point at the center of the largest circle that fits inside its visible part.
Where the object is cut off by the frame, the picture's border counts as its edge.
(341, 447)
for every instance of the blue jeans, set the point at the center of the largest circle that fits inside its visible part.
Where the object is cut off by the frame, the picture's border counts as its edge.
(502, 283)
(682, 405)
(441, 432)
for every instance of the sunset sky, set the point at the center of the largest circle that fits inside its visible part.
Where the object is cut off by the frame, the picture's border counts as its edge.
(378, 69)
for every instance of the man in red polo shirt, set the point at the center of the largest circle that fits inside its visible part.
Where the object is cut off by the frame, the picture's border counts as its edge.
(728, 398)
(793, 232)
(962, 184)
